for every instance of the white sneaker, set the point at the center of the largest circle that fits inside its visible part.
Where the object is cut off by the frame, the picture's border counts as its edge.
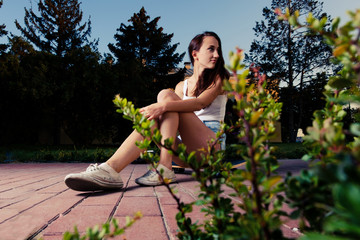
(151, 177)
(96, 177)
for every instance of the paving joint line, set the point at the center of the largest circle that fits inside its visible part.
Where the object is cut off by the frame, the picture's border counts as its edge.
(26, 209)
(29, 183)
(167, 228)
(1, 207)
(32, 236)
(67, 211)
(294, 230)
(38, 189)
(189, 192)
(9, 189)
(112, 213)
(30, 177)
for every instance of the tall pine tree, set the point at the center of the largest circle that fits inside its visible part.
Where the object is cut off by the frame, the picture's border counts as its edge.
(59, 27)
(145, 56)
(290, 56)
(57, 30)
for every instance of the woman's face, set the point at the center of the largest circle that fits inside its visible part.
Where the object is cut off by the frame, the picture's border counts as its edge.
(208, 53)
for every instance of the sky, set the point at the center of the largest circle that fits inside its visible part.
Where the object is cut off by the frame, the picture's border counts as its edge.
(232, 20)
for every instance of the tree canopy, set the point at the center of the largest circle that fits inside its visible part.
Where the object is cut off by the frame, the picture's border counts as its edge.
(58, 29)
(2, 33)
(67, 67)
(293, 57)
(144, 57)
(53, 79)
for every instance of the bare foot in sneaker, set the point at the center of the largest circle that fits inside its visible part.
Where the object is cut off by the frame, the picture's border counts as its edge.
(96, 177)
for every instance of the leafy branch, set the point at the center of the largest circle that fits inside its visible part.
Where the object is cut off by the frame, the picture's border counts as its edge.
(108, 230)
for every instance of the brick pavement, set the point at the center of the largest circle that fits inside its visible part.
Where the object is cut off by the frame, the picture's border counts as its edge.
(35, 202)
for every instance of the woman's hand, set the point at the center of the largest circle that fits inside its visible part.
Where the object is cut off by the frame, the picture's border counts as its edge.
(153, 111)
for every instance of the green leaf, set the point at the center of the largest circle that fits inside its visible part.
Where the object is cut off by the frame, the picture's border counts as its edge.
(293, 20)
(355, 129)
(310, 18)
(340, 82)
(335, 24)
(307, 157)
(347, 196)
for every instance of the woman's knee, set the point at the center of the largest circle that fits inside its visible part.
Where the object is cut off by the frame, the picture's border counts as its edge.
(167, 95)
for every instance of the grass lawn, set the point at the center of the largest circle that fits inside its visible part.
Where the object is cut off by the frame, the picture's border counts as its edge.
(281, 151)
(24, 153)
(288, 150)
(55, 153)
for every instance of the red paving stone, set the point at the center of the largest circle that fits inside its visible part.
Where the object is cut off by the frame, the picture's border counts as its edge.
(35, 202)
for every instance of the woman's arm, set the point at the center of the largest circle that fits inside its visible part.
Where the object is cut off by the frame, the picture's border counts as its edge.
(189, 105)
(194, 104)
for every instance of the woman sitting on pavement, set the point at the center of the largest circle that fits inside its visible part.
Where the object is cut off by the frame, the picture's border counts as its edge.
(194, 110)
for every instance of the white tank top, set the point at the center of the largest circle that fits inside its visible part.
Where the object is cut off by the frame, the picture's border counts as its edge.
(215, 111)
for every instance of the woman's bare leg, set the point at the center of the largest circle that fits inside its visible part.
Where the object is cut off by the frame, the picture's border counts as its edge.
(126, 153)
(170, 122)
(194, 133)
(168, 129)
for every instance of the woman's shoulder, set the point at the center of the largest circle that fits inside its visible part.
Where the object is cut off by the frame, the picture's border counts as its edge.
(180, 84)
(179, 88)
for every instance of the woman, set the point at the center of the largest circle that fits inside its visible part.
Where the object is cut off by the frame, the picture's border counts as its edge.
(194, 111)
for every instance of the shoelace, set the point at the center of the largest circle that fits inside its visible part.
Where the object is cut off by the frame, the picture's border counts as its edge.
(92, 167)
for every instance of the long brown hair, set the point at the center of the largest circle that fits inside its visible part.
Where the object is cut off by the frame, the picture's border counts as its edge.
(208, 76)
